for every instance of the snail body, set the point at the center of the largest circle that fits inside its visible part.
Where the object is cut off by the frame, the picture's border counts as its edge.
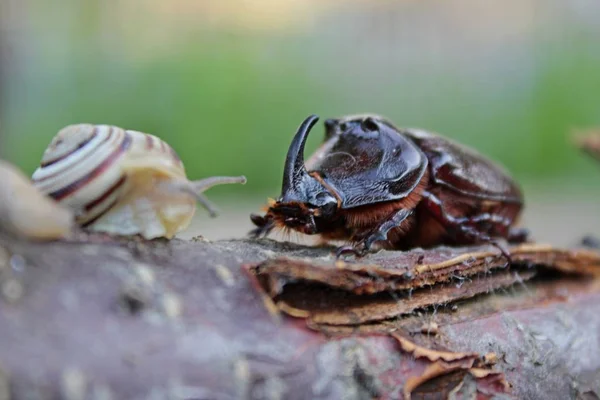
(121, 181)
(27, 213)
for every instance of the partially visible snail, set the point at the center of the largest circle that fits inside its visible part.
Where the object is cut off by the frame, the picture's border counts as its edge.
(27, 213)
(122, 181)
(588, 141)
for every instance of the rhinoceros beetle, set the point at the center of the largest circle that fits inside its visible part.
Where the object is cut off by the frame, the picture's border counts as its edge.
(373, 182)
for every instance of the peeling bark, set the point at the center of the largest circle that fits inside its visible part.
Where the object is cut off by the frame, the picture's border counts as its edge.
(116, 318)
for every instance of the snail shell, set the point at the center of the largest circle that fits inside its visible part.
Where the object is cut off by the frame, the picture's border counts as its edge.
(25, 212)
(121, 181)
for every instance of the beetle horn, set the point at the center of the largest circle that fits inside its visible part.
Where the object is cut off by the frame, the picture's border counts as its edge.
(295, 170)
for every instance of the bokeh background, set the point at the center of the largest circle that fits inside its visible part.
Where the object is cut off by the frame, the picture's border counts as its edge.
(227, 82)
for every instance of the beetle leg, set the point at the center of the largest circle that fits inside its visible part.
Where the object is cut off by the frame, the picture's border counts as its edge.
(591, 242)
(349, 249)
(264, 226)
(378, 235)
(503, 249)
(518, 235)
(461, 226)
(382, 231)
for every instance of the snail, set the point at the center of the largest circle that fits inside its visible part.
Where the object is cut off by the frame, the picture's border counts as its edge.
(588, 141)
(27, 213)
(122, 182)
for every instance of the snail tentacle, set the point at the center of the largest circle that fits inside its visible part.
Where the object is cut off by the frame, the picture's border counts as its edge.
(200, 186)
(205, 184)
(212, 209)
(196, 189)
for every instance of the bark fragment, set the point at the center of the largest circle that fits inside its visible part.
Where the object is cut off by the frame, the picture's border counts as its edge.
(418, 268)
(340, 293)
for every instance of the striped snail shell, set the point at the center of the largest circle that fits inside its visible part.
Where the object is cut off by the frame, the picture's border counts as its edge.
(121, 181)
(27, 213)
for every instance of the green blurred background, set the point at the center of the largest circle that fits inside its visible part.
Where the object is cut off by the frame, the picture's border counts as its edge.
(227, 82)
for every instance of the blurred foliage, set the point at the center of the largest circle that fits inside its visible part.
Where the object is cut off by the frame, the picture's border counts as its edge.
(230, 103)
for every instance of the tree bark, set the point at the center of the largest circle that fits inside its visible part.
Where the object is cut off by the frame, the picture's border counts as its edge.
(130, 319)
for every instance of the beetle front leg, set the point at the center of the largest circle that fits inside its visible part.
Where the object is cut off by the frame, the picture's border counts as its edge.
(379, 234)
(382, 231)
(264, 225)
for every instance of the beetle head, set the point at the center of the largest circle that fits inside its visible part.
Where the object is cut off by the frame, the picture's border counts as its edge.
(305, 203)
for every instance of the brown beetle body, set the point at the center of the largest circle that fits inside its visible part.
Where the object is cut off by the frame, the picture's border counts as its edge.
(372, 182)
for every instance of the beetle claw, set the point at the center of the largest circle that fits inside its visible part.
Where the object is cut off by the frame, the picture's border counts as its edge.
(379, 236)
(264, 226)
(591, 242)
(259, 232)
(350, 249)
(504, 250)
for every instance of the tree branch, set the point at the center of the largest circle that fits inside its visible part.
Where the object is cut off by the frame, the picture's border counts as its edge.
(268, 320)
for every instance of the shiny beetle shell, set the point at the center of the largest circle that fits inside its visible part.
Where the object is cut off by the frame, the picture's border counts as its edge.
(373, 182)
(403, 152)
(366, 168)
(121, 181)
(27, 213)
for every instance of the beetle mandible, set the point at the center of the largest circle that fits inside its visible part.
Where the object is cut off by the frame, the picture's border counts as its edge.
(373, 182)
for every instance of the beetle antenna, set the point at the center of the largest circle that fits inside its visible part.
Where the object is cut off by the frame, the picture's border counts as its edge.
(294, 162)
